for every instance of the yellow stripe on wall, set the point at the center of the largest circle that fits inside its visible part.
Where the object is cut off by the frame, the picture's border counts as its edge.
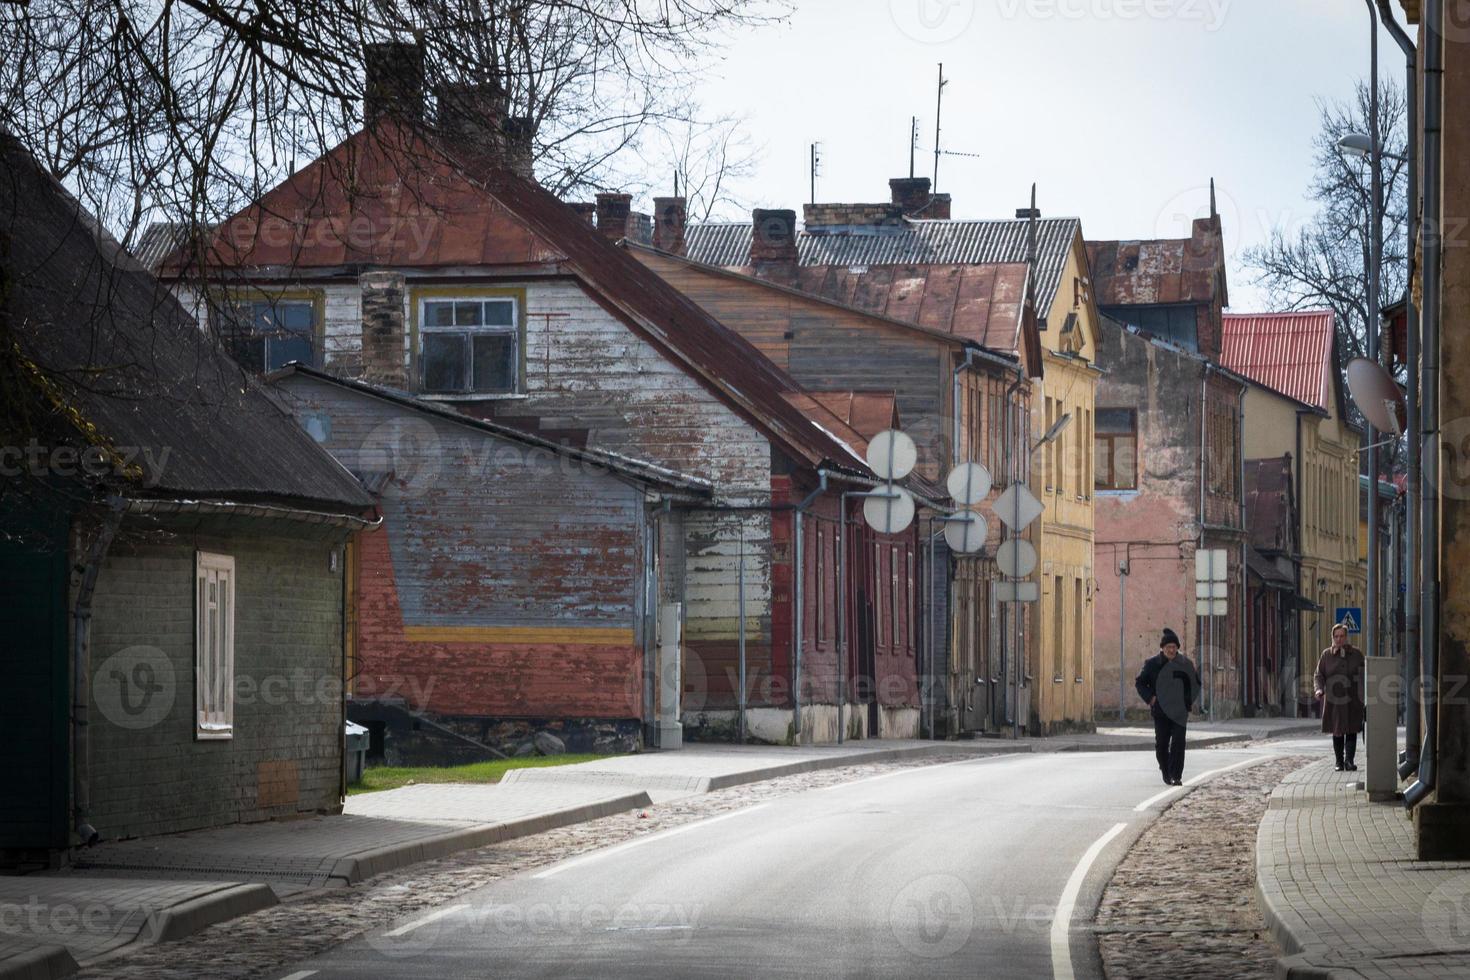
(559, 635)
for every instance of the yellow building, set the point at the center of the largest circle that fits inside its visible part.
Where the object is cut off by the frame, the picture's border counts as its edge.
(1297, 407)
(1062, 477)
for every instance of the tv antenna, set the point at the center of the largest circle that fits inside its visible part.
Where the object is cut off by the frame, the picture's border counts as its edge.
(816, 168)
(913, 142)
(938, 104)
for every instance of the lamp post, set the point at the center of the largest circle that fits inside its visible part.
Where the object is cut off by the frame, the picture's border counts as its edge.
(1371, 146)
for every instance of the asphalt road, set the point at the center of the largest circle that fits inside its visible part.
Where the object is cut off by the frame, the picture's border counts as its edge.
(949, 870)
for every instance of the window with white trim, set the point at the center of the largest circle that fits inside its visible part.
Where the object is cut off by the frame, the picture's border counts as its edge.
(267, 334)
(214, 646)
(469, 345)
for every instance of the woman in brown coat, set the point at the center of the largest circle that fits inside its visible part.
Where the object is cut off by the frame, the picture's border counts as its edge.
(1339, 683)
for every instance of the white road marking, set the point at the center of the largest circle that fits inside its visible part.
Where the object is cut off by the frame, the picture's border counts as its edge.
(299, 975)
(1193, 781)
(420, 923)
(595, 855)
(1061, 923)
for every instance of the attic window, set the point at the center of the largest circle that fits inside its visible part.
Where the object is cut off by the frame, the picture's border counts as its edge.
(264, 335)
(471, 345)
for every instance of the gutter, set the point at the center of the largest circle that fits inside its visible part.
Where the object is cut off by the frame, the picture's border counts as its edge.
(81, 744)
(152, 507)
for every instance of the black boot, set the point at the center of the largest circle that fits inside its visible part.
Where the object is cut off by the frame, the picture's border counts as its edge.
(1337, 750)
(1350, 751)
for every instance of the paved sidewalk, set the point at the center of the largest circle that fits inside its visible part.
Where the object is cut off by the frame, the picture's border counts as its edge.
(1341, 893)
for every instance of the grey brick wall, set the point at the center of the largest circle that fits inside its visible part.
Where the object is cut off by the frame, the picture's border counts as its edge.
(150, 775)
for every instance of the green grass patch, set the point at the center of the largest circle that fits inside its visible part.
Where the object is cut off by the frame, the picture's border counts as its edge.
(391, 777)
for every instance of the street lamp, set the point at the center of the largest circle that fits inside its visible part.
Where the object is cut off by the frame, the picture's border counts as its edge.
(1359, 147)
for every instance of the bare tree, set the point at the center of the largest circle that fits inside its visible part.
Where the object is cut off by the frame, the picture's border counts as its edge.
(185, 109)
(1325, 263)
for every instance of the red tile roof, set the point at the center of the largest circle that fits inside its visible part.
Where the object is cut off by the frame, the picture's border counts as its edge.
(390, 197)
(1290, 353)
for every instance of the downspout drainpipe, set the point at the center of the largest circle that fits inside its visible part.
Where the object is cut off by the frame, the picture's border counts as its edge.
(1409, 761)
(1204, 463)
(799, 596)
(1429, 406)
(81, 743)
(1013, 623)
(1247, 689)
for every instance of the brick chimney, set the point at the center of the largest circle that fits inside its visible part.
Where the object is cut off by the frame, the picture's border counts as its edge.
(518, 134)
(640, 228)
(383, 349)
(612, 215)
(911, 194)
(669, 218)
(842, 218)
(773, 243)
(394, 81)
(470, 114)
(586, 209)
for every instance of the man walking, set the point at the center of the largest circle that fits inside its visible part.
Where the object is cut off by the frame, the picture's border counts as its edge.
(1169, 685)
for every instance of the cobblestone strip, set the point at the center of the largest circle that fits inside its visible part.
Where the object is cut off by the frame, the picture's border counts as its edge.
(1182, 903)
(258, 945)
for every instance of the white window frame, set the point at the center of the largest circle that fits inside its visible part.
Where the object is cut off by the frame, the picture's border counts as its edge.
(512, 330)
(214, 647)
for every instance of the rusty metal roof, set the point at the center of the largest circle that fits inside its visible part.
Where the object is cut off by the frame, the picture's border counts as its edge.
(388, 196)
(1290, 353)
(869, 412)
(1161, 271)
(914, 243)
(980, 303)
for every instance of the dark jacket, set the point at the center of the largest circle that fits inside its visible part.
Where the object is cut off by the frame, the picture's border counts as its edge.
(1175, 683)
(1339, 682)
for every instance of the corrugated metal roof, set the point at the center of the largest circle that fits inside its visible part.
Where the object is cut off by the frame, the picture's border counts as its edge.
(1287, 352)
(159, 240)
(930, 242)
(121, 355)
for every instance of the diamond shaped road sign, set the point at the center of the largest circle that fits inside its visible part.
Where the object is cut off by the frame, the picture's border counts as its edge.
(1017, 507)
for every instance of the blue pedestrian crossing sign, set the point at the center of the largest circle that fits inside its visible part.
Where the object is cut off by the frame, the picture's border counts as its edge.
(1351, 617)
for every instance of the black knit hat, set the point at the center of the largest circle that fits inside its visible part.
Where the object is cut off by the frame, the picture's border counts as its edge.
(1169, 637)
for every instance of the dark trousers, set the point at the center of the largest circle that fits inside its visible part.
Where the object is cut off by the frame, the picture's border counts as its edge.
(1168, 745)
(1345, 747)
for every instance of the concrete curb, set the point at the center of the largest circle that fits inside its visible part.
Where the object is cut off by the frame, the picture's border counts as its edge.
(197, 914)
(358, 867)
(40, 963)
(706, 784)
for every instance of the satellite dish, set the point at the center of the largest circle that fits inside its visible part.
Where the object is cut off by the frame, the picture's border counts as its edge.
(891, 512)
(892, 455)
(1016, 557)
(1377, 395)
(965, 533)
(968, 484)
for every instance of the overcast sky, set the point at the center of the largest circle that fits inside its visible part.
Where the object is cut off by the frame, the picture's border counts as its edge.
(1120, 110)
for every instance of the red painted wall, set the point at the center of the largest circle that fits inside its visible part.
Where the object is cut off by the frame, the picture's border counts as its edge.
(495, 680)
